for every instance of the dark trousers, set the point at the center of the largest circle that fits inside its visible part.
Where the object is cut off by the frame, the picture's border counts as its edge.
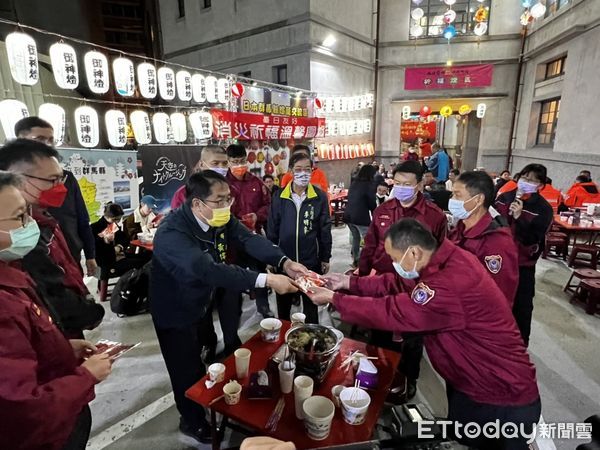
(358, 233)
(185, 351)
(81, 433)
(284, 306)
(229, 306)
(523, 306)
(411, 349)
(464, 410)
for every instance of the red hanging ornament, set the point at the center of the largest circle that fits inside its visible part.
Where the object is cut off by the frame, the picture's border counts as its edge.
(425, 111)
(318, 103)
(237, 90)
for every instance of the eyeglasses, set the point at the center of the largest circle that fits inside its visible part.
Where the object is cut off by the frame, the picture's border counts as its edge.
(301, 170)
(24, 218)
(55, 181)
(221, 203)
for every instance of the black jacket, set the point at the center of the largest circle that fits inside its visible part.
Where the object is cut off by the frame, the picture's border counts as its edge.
(188, 263)
(106, 255)
(361, 201)
(304, 235)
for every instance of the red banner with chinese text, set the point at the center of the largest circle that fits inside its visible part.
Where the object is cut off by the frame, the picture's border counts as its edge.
(455, 77)
(242, 126)
(410, 130)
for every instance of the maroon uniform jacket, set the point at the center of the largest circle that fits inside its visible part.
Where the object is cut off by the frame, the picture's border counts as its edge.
(469, 330)
(373, 255)
(492, 242)
(251, 196)
(42, 387)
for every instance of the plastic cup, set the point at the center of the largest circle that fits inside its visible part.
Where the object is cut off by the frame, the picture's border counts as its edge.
(286, 376)
(303, 389)
(318, 414)
(355, 404)
(242, 362)
(270, 329)
(216, 372)
(233, 392)
(298, 319)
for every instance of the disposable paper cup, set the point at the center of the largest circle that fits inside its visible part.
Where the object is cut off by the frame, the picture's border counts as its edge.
(298, 318)
(242, 362)
(318, 414)
(354, 412)
(233, 392)
(286, 376)
(270, 329)
(335, 394)
(216, 372)
(303, 389)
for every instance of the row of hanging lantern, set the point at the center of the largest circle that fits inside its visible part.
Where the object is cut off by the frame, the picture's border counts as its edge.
(449, 31)
(347, 127)
(446, 111)
(342, 104)
(164, 81)
(327, 151)
(167, 127)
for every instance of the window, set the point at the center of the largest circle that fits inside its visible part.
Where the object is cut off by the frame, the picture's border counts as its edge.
(181, 6)
(548, 121)
(280, 74)
(555, 68)
(206, 4)
(433, 23)
(246, 74)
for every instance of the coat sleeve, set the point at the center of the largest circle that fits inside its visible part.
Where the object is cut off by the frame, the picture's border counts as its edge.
(375, 286)
(263, 212)
(367, 254)
(324, 230)
(33, 413)
(400, 313)
(441, 229)
(274, 221)
(507, 278)
(254, 245)
(532, 231)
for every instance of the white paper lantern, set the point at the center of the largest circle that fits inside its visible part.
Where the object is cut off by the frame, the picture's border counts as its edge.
(416, 30)
(116, 127)
(351, 104)
(342, 127)
(337, 101)
(86, 124)
(11, 111)
(124, 75)
(369, 100)
(140, 122)
(449, 16)
(449, 2)
(367, 125)
(97, 72)
(198, 88)
(178, 127)
(166, 83)
(162, 127)
(480, 28)
(360, 124)
(22, 58)
(55, 115)
(538, 10)
(202, 125)
(417, 14)
(405, 112)
(211, 89)
(183, 80)
(330, 105)
(64, 65)
(146, 74)
(223, 90)
(481, 108)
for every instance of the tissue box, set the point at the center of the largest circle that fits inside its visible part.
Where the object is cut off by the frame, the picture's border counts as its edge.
(367, 374)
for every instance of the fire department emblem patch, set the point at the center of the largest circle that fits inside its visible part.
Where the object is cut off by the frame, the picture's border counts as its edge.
(422, 293)
(493, 263)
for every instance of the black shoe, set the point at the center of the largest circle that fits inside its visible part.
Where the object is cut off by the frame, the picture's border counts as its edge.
(202, 434)
(265, 311)
(411, 389)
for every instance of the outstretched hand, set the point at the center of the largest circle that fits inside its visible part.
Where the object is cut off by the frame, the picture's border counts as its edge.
(337, 281)
(320, 295)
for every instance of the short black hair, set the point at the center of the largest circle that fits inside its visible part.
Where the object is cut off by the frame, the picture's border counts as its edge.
(366, 173)
(479, 183)
(113, 210)
(27, 123)
(586, 172)
(409, 167)
(9, 179)
(582, 179)
(538, 170)
(213, 148)
(298, 157)
(427, 171)
(301, 148)
(236, 151)
(505, 171)
(455, 172)
(268, 176)
(24, 151)
(408, 232)
(549, 180)
(200, 184)
(383, 183)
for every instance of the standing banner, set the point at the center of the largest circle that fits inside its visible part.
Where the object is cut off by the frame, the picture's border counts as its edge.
(443, 77)
(103, 176)
(166, 168)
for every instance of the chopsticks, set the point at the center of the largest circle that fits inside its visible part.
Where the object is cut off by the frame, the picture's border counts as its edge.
(355, 392)
(276, 415)
(354, 356)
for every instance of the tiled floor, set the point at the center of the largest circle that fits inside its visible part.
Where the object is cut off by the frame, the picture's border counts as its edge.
(134, 408)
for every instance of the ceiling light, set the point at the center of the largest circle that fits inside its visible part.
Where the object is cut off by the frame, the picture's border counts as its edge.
(329, 41)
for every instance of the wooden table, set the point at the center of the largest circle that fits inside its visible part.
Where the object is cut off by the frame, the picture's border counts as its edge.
(576, 231)
(254, 414)
(144, 245)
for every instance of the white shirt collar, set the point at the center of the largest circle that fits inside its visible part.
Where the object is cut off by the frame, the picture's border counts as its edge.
(202, 224)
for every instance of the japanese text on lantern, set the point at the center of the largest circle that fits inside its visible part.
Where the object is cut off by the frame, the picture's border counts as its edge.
(70, 76)
(98, 73)
(85, 128)
(32, 61)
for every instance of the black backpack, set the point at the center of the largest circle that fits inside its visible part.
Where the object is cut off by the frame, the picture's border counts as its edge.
(130, 296)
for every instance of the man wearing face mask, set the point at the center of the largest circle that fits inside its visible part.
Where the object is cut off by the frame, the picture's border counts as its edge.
(469, 332)
(51, 263)
(188, 264)
(213, 157)
(529, 216)
(477, 232)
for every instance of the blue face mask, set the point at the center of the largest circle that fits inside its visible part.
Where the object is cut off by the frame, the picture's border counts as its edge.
(220, 170)
(23, 240)
(457, 208)
(406, 274)
(526, 187)
(302, 178)
(404, 193)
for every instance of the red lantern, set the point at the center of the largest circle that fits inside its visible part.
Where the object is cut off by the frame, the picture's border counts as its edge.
(318, 103)
(237, 90)
(269, 169)
(425, 111)
(251, 157)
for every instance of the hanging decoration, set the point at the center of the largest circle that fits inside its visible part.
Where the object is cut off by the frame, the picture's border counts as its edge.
(425, 111)
(96, 72)
(417, 2)
(202, 125)
(22, 58)
(199, 88)
(481, 108)
(178, 127)
(416, 30)
(146, 73)
(464, 110)
(86, 124)
(11, 111)
(481, 14)
(417, 14)
(449, 16)
(162, 127)
(449, 2)
(446, 111)
(116, 127)
(538, 10)
(223, 90)
(55, 115)
(211, 89)
(64, 65)
(140, 122)
(449, 32)
(526, 3)
(526, 18)
(318, 103)
(405, 112)
(184, 85)
(237, 90)
(480, 29)
(166, 83)
(124, 75)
